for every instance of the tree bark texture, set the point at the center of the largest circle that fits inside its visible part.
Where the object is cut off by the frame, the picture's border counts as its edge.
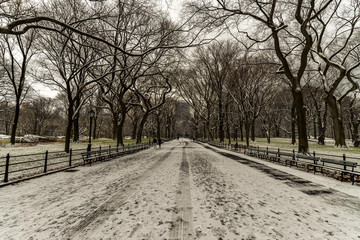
(221, 121)
(253, 130)
(301, 121)
(15, 122)
(336, 116)
(69, 127)
(141, 127)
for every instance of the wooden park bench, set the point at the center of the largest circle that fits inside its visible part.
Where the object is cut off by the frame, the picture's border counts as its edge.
(288, 157)
(272, 156)
(300, 159)
(251, 151)
(94, 156)
(89, 157)
(340, 166)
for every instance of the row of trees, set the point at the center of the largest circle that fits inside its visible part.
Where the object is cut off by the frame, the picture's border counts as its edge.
(129, 69)
(314, 45)
(129, 54)
(231, 89)
(47, 117)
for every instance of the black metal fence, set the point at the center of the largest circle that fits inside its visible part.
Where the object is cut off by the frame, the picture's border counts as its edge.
(14, 167)
(254, 149)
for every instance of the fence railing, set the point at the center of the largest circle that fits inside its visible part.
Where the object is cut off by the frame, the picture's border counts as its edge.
(253, 149)
(14, 167)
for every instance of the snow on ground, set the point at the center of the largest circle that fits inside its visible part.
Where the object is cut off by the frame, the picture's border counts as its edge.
(182, 191)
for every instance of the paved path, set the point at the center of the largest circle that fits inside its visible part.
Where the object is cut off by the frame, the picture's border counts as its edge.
(182, 191)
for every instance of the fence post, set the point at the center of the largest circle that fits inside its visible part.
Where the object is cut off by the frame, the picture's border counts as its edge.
(267, 152)
(46, 159)
(100, 150)
(293, 154)
(314, 154)
(6, 177)
(70, 156)
(344, 159)
(109, 149)
(279, 154)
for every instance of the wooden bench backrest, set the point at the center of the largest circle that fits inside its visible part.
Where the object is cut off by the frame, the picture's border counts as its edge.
(339, 162)
(307, 157)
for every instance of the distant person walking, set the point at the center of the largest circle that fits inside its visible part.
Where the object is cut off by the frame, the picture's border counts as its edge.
(159, 142)
(154, 142)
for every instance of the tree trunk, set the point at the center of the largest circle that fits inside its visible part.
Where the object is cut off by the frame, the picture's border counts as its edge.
(277, 130)
(76, 129)
(253, 130)
(336, 116)
(228, 136)
(354, 125)
(263, 129)
(119, 135)
(115, 125)
(68, 128)
(221, 122)
(315, 126)
(204, 131)
(39, 131)
(241, 131)
(35, 127)
(15, 122)
(158, 128)
(321, 124)
(7, 127)
(355, 134)
(141, 127)
(293, 123)
(133, 130)
(95, 128)
(269, 132)
(76, 132)
(301, 121)
(247, 133)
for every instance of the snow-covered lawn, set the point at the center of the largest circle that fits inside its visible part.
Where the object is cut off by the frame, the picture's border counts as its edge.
(30, 148)
(29, 159)
(181, 191)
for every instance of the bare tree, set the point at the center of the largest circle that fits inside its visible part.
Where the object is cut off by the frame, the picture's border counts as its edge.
(354, 121)
(195, 88)
(334, 49)
(288, 24)
(252, 88)
(152, 94)
(67, 64)
(37, 115)
(16, 53)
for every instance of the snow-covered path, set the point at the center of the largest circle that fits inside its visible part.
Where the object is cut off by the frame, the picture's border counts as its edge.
(182, 191)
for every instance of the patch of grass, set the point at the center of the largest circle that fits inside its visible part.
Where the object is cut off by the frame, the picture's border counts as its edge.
(4, 141)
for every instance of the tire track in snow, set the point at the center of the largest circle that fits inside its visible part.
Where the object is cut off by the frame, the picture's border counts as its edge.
(183, 219)
(91, 222)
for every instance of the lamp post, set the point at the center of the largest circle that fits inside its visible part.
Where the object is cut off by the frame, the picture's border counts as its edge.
(92, 115)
